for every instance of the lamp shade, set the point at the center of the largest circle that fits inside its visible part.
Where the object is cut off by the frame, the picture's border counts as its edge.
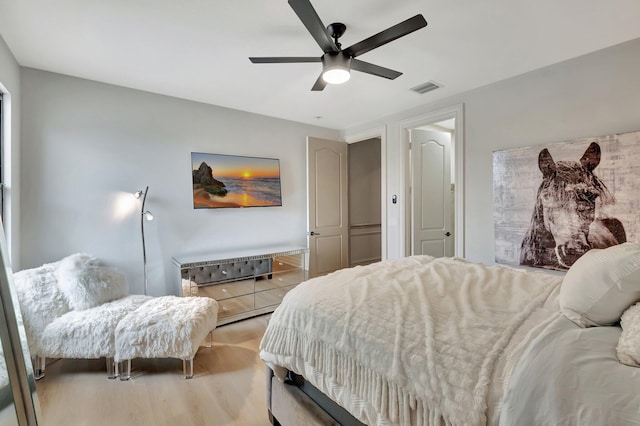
(336, 67)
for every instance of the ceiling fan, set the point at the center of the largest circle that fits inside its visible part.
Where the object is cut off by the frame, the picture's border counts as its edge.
(337, 63)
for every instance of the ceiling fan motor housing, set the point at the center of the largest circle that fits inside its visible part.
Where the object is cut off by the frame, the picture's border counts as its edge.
(332, 60)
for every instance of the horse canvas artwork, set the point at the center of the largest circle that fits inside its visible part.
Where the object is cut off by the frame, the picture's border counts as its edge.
(563, 225)
(554, 203)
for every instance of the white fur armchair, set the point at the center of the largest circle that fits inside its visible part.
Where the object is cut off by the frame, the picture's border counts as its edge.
(71, 309)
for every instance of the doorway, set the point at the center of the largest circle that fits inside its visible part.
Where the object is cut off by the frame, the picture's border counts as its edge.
(365, 217)
(368, 230)
(433, 183)
(329, 240)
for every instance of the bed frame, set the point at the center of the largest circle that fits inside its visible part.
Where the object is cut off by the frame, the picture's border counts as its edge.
(295, 402)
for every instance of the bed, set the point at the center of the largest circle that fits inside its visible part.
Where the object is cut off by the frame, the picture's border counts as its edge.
(426, 341)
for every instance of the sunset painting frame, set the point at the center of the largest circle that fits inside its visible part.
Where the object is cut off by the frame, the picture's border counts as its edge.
(235, 181)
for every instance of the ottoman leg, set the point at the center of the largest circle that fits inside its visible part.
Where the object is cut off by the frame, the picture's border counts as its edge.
(187, 366)
(112, 368)
(210, 339)
(126, 373)
(120, 368)
(39, 363)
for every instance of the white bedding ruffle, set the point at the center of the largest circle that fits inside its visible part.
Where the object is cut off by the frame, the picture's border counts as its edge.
(417, 338)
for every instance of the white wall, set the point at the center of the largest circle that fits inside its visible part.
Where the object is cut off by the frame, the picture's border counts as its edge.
(86, 146)
(10, 87)
(596, 94)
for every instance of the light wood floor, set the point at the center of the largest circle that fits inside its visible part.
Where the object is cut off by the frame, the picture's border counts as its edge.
(228, 387)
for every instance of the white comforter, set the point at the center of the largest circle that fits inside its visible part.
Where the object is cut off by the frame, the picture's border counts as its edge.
(571, 376)
(417, 339)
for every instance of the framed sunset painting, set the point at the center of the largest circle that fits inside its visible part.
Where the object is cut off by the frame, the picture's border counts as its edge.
(223, 181)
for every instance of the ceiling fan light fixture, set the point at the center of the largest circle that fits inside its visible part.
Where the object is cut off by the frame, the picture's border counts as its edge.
(336, 76)
(336, 67)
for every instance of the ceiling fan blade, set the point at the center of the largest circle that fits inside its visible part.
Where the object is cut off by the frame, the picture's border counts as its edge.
(285, 59)
(311, 20)
(320, 84)
(384, 37)
(362, 66)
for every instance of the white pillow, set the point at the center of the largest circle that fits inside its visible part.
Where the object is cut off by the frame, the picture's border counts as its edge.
(601, 285)
(629, 343)
(86, 284)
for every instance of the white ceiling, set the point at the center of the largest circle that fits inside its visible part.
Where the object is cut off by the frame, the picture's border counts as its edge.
(198, 49)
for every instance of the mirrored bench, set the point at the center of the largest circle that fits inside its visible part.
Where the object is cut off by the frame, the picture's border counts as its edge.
(245, 283)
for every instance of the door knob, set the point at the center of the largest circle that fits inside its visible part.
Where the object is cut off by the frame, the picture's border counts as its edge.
(313, 233)
(447, 234)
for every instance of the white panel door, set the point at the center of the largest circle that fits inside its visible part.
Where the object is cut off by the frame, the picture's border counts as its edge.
(327, 206)
(432, 217)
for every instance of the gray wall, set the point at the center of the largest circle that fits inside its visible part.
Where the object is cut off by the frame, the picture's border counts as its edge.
(86, 146)
(592, 95)
(10, 86)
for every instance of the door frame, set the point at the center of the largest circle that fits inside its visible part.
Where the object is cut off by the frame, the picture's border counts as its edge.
(377, 132)
(456, 112)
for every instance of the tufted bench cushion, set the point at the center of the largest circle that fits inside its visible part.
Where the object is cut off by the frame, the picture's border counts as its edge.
(165, 327)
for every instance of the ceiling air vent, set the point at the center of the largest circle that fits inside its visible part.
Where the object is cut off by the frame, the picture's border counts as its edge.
(426, 87)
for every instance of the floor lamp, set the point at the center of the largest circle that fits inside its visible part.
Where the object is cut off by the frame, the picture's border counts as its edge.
(148, 216)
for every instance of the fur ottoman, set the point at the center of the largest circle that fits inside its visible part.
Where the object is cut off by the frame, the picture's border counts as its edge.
(165, 327)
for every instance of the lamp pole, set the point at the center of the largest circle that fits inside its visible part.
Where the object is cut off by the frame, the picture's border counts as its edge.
(144, 248)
